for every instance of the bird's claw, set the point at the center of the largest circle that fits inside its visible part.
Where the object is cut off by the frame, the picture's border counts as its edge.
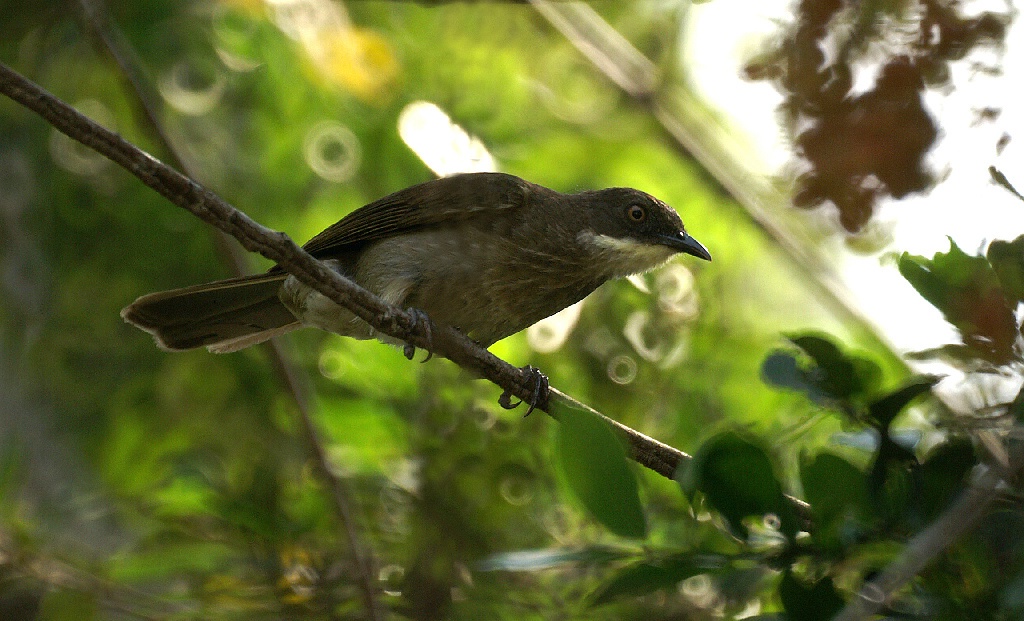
(540, 387)
(419, 318)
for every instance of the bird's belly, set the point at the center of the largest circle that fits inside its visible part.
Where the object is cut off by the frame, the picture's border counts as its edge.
(479, 283)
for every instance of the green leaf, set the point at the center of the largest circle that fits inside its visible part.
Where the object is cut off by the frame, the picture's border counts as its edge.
(970, 295)
(783, 369)
(827, 375)
(838, 494)
(595, 467)
(839, 377)
(885, 409)
(646, 577)
(891, 480)
(815, 602)
(943, 476)
(165, 561)
(737, 478)
(67, 605)
(1000, 179)
(1007, 259)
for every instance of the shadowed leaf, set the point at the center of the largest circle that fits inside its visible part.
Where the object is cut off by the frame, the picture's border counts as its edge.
(885, 409)
(1007, 259)
(737, 478)
(815, 602)
(646, 577)
(594, 463)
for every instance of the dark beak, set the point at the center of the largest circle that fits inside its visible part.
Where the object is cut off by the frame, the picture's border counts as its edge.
(684, 243)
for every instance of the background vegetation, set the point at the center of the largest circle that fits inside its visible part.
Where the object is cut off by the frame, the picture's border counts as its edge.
(140, 484)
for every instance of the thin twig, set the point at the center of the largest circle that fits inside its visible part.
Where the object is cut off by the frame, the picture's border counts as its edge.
(287, 374)
(279, 248)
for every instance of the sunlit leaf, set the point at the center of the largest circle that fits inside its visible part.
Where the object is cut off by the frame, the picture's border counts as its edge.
(164, 561)
(968, 292)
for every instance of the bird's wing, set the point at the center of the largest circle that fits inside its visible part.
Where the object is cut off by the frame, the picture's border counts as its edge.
(447, 200)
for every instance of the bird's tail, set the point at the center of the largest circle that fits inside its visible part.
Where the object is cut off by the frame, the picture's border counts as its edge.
(223, 316)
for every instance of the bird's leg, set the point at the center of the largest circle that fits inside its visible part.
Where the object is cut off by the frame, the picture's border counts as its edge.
(419, 317)
(540, 387)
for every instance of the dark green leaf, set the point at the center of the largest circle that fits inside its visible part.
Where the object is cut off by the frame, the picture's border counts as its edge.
(885, 409)
(891, 480)
(839, 378)
(737, 478)
(594, 462)
(943, 476)
(869, 374)
(643, 578)
(815, 602)
(827, 375)
(838, 494)
(783, 369)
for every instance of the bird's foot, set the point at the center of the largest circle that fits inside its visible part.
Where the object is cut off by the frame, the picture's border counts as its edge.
(540, 387)
(419, 318)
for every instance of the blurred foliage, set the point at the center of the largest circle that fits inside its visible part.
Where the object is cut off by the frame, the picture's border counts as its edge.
(859, 146)
(138, 483)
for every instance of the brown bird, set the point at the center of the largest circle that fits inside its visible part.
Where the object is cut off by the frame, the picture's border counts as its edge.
(487, 253)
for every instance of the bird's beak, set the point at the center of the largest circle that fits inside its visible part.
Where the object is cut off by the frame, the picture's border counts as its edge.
(681, 242)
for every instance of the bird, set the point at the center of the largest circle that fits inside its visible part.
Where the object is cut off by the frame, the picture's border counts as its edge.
(486, 253)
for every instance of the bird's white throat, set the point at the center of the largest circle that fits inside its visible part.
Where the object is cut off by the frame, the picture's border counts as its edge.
(624, 256)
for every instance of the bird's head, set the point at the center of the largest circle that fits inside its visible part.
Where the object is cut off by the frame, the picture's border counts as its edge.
(626, 231)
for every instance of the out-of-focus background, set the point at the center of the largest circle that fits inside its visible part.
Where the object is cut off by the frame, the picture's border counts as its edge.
(807, 145)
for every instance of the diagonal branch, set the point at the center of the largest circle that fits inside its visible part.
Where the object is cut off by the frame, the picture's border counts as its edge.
(288, 375)
(278, 247)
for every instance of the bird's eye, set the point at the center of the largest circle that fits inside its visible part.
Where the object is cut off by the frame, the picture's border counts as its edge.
(636, 213)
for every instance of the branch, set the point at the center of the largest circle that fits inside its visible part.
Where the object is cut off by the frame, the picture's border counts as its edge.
(959, 519)
(278, 247)
(286, 372)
